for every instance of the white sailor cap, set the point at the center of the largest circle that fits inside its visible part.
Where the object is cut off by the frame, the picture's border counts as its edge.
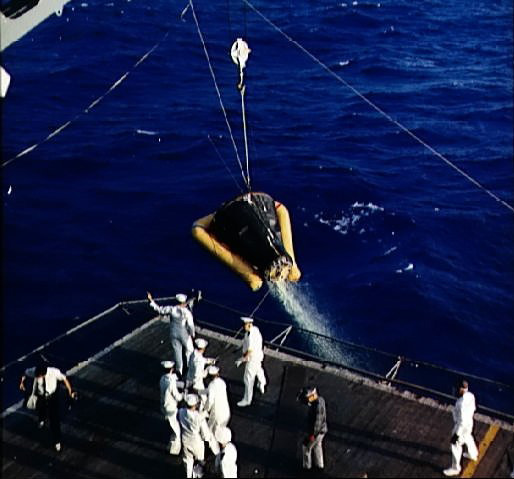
(168, 364)
(223, 435)
(201, 343)
(191, 399)
(181, 298)
(246, 319)
(213, 370)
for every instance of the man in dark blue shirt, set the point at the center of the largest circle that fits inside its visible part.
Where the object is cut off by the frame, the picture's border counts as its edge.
(316, 429)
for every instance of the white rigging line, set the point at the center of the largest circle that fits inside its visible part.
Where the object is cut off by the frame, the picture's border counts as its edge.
(239, 53)
(379, 110)
(115, 85)
(246, 180)
(245, 135)
(225, 163)
(259, 304)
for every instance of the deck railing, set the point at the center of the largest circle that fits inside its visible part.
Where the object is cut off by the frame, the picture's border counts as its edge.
(421, 378)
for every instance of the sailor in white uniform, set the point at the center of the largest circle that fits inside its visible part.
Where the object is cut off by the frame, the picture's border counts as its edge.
(226, 460)
(197, 370)
(253, 356)
(462, 430)
(194, 432)
(182, 328)
(217, 406)
(170, 397)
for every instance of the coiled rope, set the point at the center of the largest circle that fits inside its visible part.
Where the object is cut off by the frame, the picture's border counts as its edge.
(379, 110)
(115, 85)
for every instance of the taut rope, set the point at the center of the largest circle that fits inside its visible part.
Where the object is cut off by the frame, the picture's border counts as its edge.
(379, 110)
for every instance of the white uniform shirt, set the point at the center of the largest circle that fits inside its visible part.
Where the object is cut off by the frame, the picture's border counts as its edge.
(170, 394)
(181, 317)
(217, 400)
(226, 461)
(463, 413)
(196, 372)
(48, 384)
(182, 313)
(253, 342)
(193, 426)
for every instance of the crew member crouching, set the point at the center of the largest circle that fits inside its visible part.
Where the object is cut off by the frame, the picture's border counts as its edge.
(45, 388)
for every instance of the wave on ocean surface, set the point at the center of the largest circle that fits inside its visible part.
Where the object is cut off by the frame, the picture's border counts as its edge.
(146, 132)
(103, 210)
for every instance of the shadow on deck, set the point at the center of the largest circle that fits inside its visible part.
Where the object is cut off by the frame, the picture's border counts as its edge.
(116, 429)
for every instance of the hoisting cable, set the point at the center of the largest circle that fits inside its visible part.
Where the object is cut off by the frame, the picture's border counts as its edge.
(65, 125)
(240, 53)
(379, 110)
(260, 303)
(225, 163)
(218, 92)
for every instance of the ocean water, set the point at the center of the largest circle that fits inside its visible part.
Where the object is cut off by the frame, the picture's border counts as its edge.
(398, 251)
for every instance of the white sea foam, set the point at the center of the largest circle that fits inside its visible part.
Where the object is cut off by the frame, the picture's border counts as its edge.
(390, 250)
(297, 301)
(369, 206)
(350, 220)
(355, 4)
(409, 267)
(146, 132)
(418, 62)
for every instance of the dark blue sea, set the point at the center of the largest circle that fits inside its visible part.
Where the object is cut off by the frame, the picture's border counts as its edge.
(398, 250)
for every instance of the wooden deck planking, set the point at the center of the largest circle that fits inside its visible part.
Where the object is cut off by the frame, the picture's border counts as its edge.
(116, 429)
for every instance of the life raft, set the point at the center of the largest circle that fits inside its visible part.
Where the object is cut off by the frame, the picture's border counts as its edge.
(252, 235)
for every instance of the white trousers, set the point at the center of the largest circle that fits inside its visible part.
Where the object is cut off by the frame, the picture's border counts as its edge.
(253, 369)
(193, 448)
(465, 439)
(315, 447)
(178, 349)
(218, 420)
(175, 442)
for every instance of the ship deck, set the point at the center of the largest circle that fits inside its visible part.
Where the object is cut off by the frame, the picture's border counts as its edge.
(115, 429)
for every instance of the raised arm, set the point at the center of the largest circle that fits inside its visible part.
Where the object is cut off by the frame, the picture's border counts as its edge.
(162, 310)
